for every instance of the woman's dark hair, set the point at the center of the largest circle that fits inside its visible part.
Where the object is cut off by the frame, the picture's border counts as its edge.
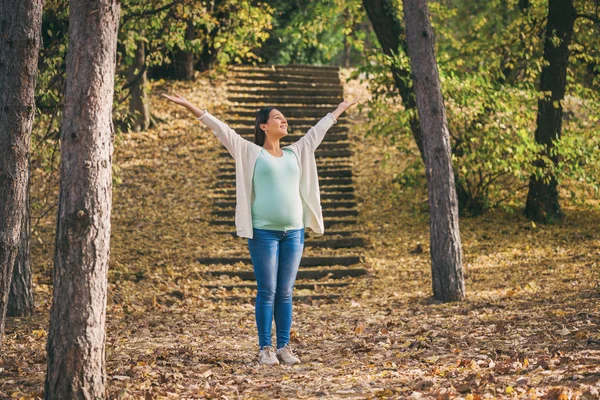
(262, 116)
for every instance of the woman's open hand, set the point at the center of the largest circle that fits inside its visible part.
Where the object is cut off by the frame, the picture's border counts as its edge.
(182, 101)
(344, 105)
(347, 104)
(176, 98)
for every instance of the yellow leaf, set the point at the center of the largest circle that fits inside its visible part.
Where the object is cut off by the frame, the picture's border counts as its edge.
(39, 333)
(509, 389)
(360, 328)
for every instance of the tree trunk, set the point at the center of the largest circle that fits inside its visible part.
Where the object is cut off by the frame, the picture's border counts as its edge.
(446, 254)
(184, 60)
(389, 31)
(76, 337)
(20, 300)
(209, 53)
(20, 27)
(138, 100)
(542, 200)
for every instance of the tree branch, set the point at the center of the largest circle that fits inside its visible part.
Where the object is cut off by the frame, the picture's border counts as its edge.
(594, 18)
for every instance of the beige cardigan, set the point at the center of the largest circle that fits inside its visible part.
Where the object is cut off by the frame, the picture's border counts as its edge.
(245, 154)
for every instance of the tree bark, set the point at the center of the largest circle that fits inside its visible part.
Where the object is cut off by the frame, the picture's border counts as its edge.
(209, 53)
(138, 100)
(390, 35)
(20, 28)
(542, 200)
(20, 299)
(76, 337)
(446, 253)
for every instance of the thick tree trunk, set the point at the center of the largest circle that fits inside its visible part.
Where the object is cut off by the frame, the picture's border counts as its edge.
(184, 60)
(20, 27)
(76, 337)
(446, 254)
(20, 300)
(390, 34)
(542, 200)
(138, 100)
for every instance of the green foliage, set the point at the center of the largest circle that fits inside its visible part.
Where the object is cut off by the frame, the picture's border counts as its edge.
(317, 32)
(493, 147)
(490, 60)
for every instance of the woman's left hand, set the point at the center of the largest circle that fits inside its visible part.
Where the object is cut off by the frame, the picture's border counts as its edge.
(344, 105)
(347, 104)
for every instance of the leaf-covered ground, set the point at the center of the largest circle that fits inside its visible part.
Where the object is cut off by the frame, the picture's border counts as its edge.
(530, 327)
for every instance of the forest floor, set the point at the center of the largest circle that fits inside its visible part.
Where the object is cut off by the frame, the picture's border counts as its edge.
(529, 328)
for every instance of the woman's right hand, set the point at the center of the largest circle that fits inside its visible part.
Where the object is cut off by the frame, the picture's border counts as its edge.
(177, 99)
(182, 101)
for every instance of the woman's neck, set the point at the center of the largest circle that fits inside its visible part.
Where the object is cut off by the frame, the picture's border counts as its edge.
(271, 145)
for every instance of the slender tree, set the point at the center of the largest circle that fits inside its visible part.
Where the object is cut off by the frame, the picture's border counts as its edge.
(138, 79)
(542, 199)
(76, 337)
(446, 254)
(20, 27)
(20, 299)
(183, 60)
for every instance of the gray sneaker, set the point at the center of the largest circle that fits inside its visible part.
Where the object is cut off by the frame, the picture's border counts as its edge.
(286, 356)
(267, 356)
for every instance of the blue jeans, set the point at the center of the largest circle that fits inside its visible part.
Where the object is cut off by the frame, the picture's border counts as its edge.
(276, 257)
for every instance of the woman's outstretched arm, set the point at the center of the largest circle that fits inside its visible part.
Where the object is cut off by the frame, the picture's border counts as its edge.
(182, 101)
(227, 136)
(315, 135)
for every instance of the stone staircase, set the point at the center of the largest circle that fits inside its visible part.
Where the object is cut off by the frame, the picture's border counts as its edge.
(304, 94)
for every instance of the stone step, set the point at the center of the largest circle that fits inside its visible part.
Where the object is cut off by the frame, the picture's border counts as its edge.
(229, 172)
(327, 222)
(308, 298)
(287, 108)
(316, 114)
(334, 146)
(294, 124)
(322, 164)
(294, 137)
(244, 84)
(329, 235)
(280, 100)
(321, 273)
(318, 153)
(304, 68)
(324, 196)
(307, 261)
(259, 77)
(326, 213)
(259, 90)
(325, 204)
(226, 180)
(336, 243)
(297, 285)
(228, 188)
(247, 131)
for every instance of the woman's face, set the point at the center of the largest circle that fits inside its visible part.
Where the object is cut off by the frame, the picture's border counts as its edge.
(276, 126)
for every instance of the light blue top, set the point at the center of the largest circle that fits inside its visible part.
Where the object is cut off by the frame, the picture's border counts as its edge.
(276, 203)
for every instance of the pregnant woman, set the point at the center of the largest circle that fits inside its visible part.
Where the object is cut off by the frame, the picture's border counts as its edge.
(277, 196)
